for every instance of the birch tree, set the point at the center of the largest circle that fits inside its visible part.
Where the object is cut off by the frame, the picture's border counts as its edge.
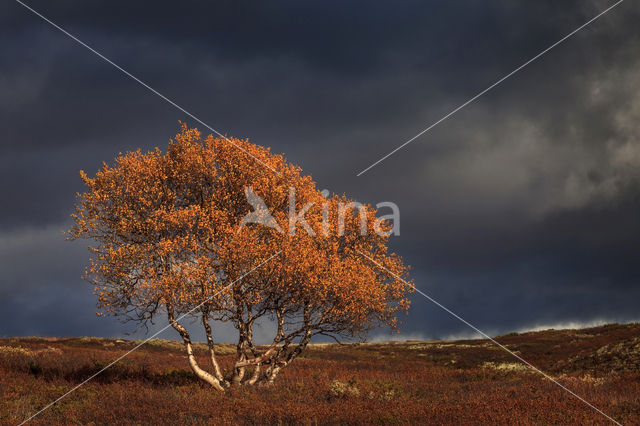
(168, 239)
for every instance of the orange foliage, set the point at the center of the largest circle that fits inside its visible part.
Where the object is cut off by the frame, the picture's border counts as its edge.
(167, 228)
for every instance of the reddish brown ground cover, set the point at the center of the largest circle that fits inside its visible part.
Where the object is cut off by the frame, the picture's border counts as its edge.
(436, 382)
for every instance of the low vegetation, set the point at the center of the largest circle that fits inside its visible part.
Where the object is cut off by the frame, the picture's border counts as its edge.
(435, 382)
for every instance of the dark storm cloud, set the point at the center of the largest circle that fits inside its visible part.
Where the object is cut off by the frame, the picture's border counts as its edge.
(519, 210)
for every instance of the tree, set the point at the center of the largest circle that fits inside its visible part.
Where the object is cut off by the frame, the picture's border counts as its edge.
(170, 239)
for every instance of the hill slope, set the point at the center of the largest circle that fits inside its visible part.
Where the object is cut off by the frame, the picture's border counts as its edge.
(436, 382)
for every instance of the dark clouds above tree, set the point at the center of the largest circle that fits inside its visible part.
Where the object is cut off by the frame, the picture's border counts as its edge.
(521, 209)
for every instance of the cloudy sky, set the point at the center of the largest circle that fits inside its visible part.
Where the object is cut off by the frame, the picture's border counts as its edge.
(519, 211)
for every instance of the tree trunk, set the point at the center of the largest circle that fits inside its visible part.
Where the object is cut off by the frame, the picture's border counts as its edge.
(216, 367)
(278, 364)
(256, 375)
(193, 363)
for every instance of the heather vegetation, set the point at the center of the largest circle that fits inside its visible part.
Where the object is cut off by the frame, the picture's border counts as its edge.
(435, 382)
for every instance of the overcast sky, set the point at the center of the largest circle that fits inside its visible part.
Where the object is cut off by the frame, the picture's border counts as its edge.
(519, 211)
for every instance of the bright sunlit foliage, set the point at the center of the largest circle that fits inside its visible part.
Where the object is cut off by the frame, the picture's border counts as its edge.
(167, 234)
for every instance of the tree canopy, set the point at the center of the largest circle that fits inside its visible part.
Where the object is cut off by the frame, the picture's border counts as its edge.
(169, 239)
